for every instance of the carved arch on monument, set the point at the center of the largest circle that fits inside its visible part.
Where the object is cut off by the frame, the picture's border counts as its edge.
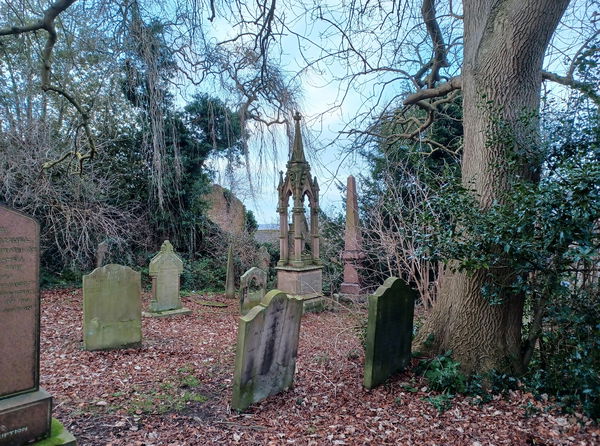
(298, 184)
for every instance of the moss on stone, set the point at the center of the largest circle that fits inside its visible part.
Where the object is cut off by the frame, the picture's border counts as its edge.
(59, 436)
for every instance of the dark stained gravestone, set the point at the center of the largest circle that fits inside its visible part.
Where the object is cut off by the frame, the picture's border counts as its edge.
(25, 408)
(389, 331)
(267, 347)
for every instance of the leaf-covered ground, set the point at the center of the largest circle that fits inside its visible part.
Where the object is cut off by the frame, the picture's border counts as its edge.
(176, 389)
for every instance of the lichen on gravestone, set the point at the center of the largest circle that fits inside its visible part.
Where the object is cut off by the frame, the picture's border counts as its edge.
(112, 308)
(249, 297)
(267, 347)
(165, 269)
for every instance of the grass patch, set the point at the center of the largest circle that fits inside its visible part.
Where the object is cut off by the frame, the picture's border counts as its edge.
(173, 395)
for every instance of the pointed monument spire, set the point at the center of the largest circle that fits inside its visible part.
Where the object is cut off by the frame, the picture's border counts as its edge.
(353, 253)
(298, 149)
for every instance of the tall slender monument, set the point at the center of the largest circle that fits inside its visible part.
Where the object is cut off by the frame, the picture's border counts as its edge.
(353, 252)
(299, 270)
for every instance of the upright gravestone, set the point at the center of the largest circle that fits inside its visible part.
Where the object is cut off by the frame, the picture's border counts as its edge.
(25, 408)
(230, 278)
(389, 331)
(101, 252)
(165, 269)
(253, 285)
(112, 308)
(264, 259)
(267, 347)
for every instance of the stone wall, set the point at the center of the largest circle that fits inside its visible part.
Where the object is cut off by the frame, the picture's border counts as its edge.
(225, 210)
(267, 236)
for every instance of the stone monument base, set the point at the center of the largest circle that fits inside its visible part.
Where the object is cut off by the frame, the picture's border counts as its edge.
(167, 313)
(25, 417)
(304, 282)
(314, 304)
(350, 288)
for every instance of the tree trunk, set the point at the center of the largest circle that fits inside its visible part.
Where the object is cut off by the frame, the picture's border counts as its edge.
(504, 46)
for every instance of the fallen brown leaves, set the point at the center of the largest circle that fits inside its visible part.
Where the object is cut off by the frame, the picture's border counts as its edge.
(175, 390)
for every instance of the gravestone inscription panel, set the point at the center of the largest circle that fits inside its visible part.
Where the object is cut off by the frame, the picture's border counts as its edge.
(25, 409)
(19, 303)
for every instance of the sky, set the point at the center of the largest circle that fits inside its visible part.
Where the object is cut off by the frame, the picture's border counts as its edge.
(330, 163)
(324, 147)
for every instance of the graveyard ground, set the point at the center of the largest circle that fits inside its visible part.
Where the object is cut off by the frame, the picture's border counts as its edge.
(175, 390)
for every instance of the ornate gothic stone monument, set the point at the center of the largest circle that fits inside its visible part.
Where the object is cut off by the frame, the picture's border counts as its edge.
(299, 270)
(25, 408)
(353, 252)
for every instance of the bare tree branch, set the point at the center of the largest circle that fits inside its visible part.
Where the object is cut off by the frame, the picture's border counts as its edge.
(452, 14)
(569, 81)
(47, 24)
(439, 46)
(441, 90)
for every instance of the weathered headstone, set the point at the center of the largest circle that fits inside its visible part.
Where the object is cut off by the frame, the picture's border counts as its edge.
(267, 346)
(389, 331)
(25, 408)
(101, 252)
(264, 259)
(230, 278)
(112, 308)
(249, 295)
(165, 269)
(353, 252)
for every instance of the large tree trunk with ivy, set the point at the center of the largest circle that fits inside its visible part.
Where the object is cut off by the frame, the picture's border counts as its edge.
(504, 46)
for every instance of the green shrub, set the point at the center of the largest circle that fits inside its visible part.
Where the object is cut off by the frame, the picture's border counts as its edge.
(441, 402)
(443, 374)
(567, 364)
(65, 279)
(204, 274)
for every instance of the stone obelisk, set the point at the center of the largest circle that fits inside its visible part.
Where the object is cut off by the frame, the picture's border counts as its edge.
(353, 252)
